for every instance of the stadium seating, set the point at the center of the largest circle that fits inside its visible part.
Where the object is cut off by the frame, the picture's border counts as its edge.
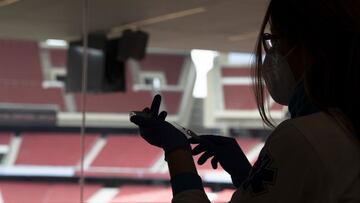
(127, 151)
(115, 102)
(20, 60)
(123, 102)
(241, 96)
(135, 194)
(172, 100)
(21, 80)
(126, 156)
(21, 75)
(170, 65)
(121, 156)
(5, 138)
(41, 192)
(30, 192)
(159, 194)
(30, 94)
(238, 97)
(51, 149)
(58, 57)
(235, 72)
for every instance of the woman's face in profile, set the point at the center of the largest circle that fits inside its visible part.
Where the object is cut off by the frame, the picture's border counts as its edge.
(296, 55)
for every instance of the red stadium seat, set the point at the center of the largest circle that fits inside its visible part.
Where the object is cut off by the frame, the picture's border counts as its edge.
(116, 102)
(68, 193)
(14, 192)
(235, 72)
(31, 95)
(21, 76)
(172, 101)
(127, 151)
(170, 65)
(19, 59)
(136, 194)
(21, 192)
(55, 149)
(5, 138)
(120, 102)
(58, 57)
(238, 97)
(123, 102)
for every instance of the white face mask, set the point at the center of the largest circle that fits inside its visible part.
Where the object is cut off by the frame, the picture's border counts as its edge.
(279, 79)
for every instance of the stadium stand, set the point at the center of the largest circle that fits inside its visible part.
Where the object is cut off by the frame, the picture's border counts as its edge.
(172, 100)
(232, 103)
(127, 156)
(58, 57)
(25, 87)
(169, 65)
(124, 151)
(51, 149)
(116, 102)
(21, 79)
(159, 194)
(30, 192)
(119, 157)
(19, 192)
(5, 138)
(238, 97)
(13, 67)
(119, 102)
(25, 94)
(135, 194)
(122, 156)
(235, 72)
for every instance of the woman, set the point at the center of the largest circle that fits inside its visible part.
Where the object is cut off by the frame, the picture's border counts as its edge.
(312, 64)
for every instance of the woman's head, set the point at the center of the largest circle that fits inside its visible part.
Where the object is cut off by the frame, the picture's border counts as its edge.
(325, 36)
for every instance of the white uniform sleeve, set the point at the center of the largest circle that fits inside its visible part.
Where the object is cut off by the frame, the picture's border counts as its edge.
(288, 170)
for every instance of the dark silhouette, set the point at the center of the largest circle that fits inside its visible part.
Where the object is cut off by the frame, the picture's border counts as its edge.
(312, 64)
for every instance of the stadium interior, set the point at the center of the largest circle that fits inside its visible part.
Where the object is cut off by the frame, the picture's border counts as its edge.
(40, 121)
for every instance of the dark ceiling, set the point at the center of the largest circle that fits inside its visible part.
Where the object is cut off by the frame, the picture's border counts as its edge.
(225, 25)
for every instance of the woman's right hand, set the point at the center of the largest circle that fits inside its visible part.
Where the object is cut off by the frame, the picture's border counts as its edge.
(158, 132)
(225, 151)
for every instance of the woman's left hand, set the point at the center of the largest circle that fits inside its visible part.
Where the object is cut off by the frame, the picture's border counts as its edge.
(158, 132)
(223, 150)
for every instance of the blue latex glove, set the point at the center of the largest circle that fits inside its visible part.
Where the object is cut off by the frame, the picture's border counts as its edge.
(156, 131)
(225, 151)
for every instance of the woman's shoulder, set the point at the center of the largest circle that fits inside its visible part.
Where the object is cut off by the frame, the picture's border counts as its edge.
(336, 147)
(322, 131)
(303, 153)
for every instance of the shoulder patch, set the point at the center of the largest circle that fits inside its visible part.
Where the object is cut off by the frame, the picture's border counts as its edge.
(261, 176)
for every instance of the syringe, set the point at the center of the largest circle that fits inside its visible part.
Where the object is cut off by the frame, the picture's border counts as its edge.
(188, 133)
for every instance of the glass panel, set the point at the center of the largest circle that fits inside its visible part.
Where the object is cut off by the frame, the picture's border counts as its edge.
(136, 49)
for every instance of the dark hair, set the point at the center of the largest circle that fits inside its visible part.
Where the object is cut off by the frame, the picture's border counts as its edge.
(329, 30)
